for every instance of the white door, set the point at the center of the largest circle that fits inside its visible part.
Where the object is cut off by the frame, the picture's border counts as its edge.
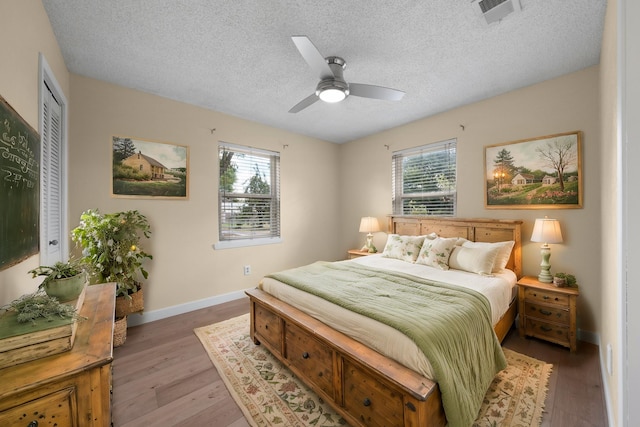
(53, 229)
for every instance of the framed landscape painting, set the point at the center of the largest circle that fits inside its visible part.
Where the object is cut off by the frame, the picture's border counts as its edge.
(149, 169)
(538, 173)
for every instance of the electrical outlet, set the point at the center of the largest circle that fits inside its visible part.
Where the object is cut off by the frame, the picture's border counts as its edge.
(610, 359)
(247, 270)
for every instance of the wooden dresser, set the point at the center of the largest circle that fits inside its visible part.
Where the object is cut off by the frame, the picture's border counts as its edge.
(547, 312)
(71, 388)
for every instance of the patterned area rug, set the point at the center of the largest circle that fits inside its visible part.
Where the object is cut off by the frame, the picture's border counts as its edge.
(270, 395)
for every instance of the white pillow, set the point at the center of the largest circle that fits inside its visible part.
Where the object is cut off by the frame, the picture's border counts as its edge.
(436, 252)
(405, 248)
(504, 252)
(477, 260)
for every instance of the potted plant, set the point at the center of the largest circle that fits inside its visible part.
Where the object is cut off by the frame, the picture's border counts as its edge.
(62, 280)
(111, 249)
(563, 279)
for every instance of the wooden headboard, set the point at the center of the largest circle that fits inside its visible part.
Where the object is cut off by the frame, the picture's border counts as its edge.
(477, 230)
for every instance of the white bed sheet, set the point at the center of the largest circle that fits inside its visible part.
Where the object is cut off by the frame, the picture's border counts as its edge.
(498, 289)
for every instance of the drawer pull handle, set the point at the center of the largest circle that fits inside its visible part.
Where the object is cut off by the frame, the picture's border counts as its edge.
(305, 355)
(366, 401)
(546, 328)
(546, 312)
(33, 423)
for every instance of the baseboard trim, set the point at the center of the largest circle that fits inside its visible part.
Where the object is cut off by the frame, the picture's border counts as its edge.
(163, 313)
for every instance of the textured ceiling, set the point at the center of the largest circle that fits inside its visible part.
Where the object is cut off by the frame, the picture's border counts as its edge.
(237, 57)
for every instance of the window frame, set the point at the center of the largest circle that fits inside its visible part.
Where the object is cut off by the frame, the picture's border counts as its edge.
(274, 198)
(398, 195)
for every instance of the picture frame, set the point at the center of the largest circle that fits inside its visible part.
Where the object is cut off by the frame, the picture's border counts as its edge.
(537, 173)
(145, 169)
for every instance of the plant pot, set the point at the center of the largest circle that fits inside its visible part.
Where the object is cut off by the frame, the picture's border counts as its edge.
(133, 303)
(560, 282)
(66, 289)
(119, 331)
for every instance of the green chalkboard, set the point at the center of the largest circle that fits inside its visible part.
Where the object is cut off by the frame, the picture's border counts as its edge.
(19, 187)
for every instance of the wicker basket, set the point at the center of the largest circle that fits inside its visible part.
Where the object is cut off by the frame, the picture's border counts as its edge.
(134, 303)
(119, 331)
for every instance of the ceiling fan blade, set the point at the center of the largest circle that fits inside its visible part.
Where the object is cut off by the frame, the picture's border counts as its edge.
(312, 55)
(304, 103)
(376, 92)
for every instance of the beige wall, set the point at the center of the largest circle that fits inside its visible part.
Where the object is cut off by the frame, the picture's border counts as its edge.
(25, 32)
(185, 267)
(564, 104)
(609, 190)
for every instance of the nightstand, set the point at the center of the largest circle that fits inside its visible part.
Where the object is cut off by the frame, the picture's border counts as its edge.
(357, 253)
(547, 311)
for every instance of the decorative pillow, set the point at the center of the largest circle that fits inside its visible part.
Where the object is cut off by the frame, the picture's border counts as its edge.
(436, 252)
(504, 252)
(405, 248)
(473, 259)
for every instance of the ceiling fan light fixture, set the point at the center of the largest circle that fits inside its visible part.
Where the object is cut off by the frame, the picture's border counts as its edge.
(332, 90)
(332, 95)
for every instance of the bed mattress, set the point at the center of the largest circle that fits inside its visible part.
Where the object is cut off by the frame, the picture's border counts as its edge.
(498, 289)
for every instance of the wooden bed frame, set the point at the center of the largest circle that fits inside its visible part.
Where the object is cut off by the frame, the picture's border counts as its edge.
(365, 387)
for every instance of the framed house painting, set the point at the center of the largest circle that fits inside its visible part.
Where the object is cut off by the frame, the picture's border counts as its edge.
(149, 169)
(538, 173)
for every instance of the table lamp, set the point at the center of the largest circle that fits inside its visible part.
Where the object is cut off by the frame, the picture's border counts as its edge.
(369, 224)
(546, 230)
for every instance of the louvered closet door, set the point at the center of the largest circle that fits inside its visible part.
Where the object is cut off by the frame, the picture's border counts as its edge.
(51, 181)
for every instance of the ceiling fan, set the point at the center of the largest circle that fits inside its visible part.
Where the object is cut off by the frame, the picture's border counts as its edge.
(332, 86)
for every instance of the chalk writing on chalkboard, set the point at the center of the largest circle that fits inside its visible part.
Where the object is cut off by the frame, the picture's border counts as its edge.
(19, 187)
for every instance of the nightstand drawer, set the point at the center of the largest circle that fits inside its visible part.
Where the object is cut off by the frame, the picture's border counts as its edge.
(549, 297)
(549, 331)
(545, 312)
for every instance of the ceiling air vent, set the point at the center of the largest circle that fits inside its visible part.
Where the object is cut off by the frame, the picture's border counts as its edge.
(495, 10)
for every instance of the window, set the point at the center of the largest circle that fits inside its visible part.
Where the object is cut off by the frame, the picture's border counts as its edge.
(424, 180)
(249, 196)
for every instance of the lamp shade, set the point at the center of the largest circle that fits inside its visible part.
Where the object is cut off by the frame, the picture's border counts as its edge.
(546, 230)
(369, 224)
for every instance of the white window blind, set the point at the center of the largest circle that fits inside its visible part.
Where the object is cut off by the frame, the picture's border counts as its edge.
(424, 180)
(249, 193)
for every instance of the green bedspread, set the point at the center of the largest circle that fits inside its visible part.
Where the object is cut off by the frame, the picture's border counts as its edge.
(450, 324)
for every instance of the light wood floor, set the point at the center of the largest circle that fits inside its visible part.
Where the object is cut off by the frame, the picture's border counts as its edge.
(163, 377)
